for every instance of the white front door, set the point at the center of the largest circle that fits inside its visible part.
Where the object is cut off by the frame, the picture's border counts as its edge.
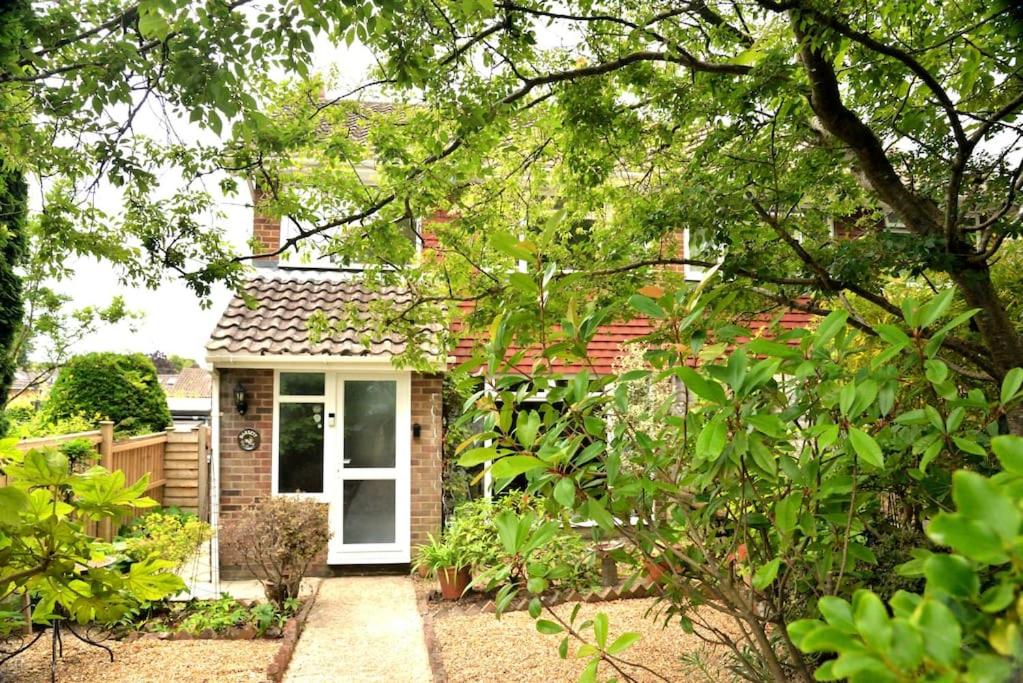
(369, 489)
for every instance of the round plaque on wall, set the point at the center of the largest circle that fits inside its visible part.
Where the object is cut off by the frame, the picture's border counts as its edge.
(248, 439)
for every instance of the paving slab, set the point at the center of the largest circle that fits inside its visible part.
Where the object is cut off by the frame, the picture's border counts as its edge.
(363, 629)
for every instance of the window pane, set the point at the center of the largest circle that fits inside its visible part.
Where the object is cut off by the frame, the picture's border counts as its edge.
(301, 384)
(370, 423)
(368, 511)
(300, 448)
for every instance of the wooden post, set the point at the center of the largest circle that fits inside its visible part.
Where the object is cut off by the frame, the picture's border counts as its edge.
(204, 472)
(106, 460)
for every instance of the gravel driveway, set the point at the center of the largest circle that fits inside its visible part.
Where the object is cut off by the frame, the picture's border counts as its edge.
(481, 649)
(145, 661)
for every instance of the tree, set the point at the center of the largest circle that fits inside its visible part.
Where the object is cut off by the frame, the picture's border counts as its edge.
(12, 243)
(757, 130)
(119, 387)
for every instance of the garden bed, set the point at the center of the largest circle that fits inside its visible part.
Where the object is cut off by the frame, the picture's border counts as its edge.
(146, 660)
(478, 647)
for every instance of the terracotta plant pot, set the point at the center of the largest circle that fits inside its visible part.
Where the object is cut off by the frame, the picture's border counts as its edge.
(656, 570)
(453, 582)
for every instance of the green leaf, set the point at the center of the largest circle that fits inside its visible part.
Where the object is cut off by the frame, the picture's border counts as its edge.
(1009, 450)
(935, 308)
(871, 620)
(589, 674)
(12, 501)
(866, 447)
(944, 635)
(527, 424)
(476, 456)
(647, 306)
(829, 327)
(1011, 384)
(510, 245)
(907, 650)
(623, 642)
(786, 512)
(997, 598)
(979, 499)
(707, 389)
(766, 574)
(951, 574)
(837, 612)
(534, 608)
(968, 537)
(563, 648)
(712, 439)
(514, 465)
(969, 446)
(564, 492)
(599, 514)
(548, 628)
(600, 629)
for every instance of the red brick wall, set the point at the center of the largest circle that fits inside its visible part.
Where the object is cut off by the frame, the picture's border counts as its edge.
(245, 477)
(266, 231)
(427, 457)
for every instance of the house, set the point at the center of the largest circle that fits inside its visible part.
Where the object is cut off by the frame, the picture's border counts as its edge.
(189, 395)
(333, 418)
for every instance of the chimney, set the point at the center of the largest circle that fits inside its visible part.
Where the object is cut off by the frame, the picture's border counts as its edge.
(266, 231)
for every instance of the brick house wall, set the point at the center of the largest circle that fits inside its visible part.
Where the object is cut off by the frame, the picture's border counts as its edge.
(427, 457)
(245, 476)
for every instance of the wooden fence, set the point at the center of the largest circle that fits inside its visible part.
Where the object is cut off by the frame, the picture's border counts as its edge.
(176, 463)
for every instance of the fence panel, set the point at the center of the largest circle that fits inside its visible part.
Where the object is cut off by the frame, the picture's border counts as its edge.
(136, 457)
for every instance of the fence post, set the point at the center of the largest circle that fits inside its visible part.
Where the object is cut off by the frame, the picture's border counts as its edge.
(203, 490)
(106, 460)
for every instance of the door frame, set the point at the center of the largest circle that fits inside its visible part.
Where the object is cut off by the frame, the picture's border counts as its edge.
(400, 551)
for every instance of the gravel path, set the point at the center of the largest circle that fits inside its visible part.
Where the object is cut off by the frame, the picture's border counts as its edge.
(362, 629)
(146, 661)
(481, 649)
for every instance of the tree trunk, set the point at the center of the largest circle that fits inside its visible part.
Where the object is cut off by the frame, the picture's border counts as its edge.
(997, 331)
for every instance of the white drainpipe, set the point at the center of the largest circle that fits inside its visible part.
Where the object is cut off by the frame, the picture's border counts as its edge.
(215, 484)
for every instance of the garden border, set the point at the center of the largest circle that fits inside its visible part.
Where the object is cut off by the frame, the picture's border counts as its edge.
(432, 606)
(292, 632)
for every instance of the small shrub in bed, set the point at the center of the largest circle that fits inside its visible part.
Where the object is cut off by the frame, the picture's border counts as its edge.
(277, 540)
(169, 534)
(473, 531)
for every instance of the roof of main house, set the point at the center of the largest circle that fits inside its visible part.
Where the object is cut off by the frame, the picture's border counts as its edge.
(278, 322)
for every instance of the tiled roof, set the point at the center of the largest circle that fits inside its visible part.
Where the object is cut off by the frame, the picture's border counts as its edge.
(189, 383)
(279, 322)
(609, 343)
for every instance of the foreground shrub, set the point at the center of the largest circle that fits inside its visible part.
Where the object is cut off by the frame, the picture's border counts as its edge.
(45, 552)
(276, 540)
(763, 492)
(119, 387)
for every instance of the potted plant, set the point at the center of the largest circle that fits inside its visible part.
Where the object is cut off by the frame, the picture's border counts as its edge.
(446, 561)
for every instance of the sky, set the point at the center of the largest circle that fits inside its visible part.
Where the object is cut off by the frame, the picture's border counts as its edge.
(173, 319)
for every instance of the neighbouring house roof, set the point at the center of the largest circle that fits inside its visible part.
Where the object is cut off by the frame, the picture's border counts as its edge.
(608, 344)
(189, 383)
(278, 323)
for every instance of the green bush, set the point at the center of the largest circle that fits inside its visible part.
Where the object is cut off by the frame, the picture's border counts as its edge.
(473, 531)
(119, 387)
(169, 535)
(39, 424)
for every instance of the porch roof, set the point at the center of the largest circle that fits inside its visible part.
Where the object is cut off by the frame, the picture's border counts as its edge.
(277, 321)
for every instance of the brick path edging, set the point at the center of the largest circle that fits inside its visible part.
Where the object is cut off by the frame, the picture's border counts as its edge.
(292, 632)
(624, 592)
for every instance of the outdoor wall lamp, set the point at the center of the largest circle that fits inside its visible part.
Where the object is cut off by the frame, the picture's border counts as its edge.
(417, 430)
(240, 402)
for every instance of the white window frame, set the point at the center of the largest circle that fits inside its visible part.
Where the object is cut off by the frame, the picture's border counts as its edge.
(694, 273)
(329, 386)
